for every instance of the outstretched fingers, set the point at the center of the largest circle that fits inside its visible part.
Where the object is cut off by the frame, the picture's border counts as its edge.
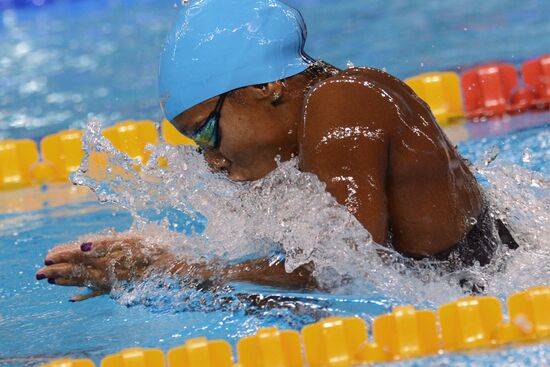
(86, 252)
(64, 270)
(74, 275)
(67, 254)
(92, 279)
(96, 265)
(68, 282)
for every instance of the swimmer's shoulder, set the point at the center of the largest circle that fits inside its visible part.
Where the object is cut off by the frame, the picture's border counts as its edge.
(353, 82)
(364, 85)
(351, 96)
(365, 76)
(338, 83)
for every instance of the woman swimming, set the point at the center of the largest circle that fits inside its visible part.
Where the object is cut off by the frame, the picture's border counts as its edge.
(234, 78)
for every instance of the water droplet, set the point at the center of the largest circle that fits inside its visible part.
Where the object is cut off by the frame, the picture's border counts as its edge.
(527, 155)
(472, 221)
(491, 154)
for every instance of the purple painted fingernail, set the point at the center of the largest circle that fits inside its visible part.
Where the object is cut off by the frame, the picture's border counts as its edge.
(40, 276)
(86, 246)
(48, 262)
(51, 280)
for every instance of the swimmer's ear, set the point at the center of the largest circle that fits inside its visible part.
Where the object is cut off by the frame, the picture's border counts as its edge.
(271, 91)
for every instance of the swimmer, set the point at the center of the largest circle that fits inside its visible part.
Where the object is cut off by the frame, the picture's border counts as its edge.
(234, 77)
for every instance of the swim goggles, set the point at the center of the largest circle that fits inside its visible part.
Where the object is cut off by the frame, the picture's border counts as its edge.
(207, 135)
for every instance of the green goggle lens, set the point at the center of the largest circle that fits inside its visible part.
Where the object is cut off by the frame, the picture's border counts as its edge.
(207, 136)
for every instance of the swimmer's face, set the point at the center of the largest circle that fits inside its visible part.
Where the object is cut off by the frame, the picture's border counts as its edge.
(254, 130)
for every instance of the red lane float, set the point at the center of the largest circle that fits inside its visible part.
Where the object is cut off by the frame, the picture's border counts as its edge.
(536, 74)
(494, 90)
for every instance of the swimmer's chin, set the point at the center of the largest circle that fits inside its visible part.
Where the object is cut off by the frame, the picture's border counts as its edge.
(220, 164)
(254, 173)
(242, 177)
(234, 175)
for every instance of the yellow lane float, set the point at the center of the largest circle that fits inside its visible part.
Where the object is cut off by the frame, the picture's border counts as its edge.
(441, 91)
(200, 352)
(63, 152)
(131, 137)
(270, 347)
(407, 333)
(172, 136)
(471, 323)
(17, 158)
(135, 357)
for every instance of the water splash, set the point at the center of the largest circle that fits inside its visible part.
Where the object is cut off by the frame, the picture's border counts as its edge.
(521, 198)
(527, 155)
(202, 215)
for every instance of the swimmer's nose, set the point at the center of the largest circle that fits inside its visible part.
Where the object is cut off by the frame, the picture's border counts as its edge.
(216, 161)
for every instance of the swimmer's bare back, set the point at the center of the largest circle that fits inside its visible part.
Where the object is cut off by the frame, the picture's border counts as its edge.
(381, 154)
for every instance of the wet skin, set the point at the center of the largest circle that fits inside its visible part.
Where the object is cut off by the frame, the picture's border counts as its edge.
(363, 132)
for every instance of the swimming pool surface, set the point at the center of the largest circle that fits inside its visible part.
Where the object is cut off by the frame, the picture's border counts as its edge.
(72, 60)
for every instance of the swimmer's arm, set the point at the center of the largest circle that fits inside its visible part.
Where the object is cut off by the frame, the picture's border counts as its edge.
(102, 262)
(344, 141)
(259, 271)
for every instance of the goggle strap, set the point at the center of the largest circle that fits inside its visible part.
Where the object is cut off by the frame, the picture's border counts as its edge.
(219, 104)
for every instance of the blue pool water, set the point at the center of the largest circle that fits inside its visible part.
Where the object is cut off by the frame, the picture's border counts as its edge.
(68, 61)
(71, 60)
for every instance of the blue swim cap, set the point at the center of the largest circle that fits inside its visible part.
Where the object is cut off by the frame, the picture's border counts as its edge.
(216, 46)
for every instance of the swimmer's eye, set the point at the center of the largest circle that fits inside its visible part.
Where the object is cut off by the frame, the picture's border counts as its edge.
(207, 135)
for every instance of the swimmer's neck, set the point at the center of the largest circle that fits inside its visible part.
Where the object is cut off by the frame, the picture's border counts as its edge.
(315, 74)
(297, 89)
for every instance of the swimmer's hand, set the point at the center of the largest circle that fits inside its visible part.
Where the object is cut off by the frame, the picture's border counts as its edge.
(98, 264)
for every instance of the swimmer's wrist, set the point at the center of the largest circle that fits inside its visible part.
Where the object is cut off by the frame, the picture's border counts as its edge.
(167, 263)
(170, 264)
